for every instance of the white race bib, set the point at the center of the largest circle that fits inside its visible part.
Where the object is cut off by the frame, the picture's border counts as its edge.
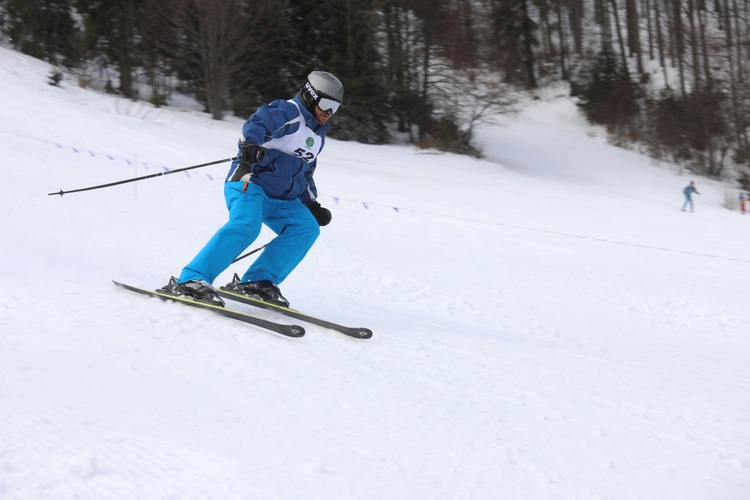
(304, 143)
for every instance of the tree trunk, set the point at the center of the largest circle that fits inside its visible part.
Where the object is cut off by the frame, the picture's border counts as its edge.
(528, 46)
(563, 69)
(697, 78)
(649, 28)
(634, 33)
(125, 52)
(704, 48)
(620, 40)
(738, 45)
(660, 42)
(575, 20)
(679, 42)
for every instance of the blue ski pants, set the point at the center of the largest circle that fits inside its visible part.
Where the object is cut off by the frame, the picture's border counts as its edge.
(249, 208)
(688, 201)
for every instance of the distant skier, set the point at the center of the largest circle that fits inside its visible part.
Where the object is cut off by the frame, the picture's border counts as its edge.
(741, 198)
(688, 191)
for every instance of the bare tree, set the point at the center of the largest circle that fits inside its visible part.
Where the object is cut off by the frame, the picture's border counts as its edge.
(215, 31)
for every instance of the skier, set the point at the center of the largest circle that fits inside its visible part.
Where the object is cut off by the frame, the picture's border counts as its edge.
(688, 191)
(270, 183)
(741, 199)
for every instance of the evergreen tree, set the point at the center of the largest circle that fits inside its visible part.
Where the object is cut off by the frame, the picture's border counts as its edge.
(44, 29)
(112, 31)
(339, 36)
(515, 40)
(608, 97)
(264, 73)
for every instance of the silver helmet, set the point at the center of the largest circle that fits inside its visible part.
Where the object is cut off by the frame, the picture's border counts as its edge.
(322, 89)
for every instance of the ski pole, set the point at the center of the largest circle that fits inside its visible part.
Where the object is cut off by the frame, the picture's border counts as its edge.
(159, 174)
(249, 253)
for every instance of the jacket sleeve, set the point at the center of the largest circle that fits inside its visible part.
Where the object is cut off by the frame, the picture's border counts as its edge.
(268, 122)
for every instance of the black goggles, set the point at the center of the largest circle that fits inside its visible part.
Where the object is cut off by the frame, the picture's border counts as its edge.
(327, 104)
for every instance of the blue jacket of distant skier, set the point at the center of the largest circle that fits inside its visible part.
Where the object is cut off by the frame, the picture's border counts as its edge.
(690, 190)
(285, 175)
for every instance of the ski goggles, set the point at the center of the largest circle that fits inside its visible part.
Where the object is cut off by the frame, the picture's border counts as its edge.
(327, 104)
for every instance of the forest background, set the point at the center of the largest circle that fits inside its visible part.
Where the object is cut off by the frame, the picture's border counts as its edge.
(670, 78)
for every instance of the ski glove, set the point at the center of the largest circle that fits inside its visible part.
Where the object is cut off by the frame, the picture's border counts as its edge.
(251, 153)
(322, 215)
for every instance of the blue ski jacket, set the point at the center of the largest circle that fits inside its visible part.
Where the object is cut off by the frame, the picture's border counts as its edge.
(292, 139)
(690, 190)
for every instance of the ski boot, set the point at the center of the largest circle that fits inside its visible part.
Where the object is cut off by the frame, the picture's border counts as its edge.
(262, 290)
(198, 290)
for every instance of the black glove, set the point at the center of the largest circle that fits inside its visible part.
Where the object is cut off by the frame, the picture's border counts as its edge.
(322, 215)
(251, 153)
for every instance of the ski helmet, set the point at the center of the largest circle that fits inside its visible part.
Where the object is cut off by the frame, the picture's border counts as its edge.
(322, 89)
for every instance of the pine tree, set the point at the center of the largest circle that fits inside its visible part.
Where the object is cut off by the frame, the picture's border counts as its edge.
(515, 38)
(112, 31)
(339, 36)
(608, 97)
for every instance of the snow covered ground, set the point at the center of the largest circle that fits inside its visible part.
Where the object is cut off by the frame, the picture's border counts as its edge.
(547, 323)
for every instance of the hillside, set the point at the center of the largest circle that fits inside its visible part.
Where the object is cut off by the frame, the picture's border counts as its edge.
(547, 323)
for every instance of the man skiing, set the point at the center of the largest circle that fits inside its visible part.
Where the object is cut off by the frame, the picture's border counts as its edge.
(271, 182)
(688, 191)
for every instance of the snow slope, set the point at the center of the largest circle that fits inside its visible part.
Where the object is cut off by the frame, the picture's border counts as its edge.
(548, 323)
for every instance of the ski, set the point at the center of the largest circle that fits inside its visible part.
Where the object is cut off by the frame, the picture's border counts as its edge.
(357, 333)
(286, 330)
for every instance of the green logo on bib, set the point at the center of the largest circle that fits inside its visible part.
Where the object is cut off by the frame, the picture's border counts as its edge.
(310, 141)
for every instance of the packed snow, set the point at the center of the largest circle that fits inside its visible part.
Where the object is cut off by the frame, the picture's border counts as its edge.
(548, 324)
